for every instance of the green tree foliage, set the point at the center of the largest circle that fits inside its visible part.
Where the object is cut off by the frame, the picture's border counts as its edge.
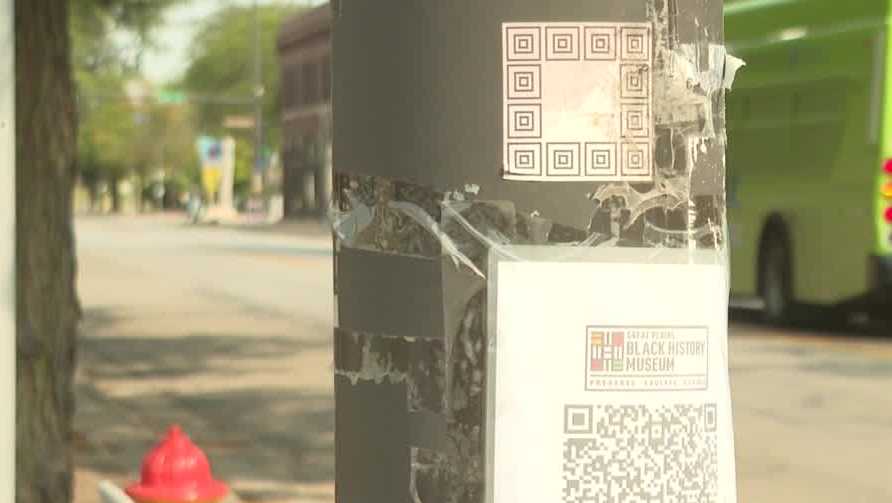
(122, 134)
(137, 15)
(91, 22)
(105, 126)
(222, 65)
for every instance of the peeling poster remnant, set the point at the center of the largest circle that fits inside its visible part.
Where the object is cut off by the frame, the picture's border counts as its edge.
(472, 137)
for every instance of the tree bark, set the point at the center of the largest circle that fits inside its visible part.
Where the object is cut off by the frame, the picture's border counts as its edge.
(47, 311)
(115, 193)
(139, 193)
(93, 190)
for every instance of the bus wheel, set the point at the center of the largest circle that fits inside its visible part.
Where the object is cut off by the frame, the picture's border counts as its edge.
(776, 286)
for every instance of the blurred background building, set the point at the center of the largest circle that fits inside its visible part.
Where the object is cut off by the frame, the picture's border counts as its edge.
(305, 58)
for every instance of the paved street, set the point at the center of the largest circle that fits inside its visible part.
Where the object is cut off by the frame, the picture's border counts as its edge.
(228, 333)
(813, 415)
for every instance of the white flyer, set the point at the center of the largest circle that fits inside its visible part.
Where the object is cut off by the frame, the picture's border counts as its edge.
(609, 379)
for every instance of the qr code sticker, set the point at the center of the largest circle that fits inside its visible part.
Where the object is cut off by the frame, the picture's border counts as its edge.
(640, 454)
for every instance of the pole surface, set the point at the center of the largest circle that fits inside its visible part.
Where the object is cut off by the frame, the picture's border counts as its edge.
(7, 250)
(437, 120)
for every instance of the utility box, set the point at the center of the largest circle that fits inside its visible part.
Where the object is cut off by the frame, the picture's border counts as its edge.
(491, 159)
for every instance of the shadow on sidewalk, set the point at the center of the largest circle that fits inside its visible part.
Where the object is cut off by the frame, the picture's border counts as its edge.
(236, 395)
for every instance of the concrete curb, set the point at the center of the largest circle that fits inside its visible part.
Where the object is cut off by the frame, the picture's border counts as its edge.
(110, 493)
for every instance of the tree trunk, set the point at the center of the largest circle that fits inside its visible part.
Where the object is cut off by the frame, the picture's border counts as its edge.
(93, 193)
(115, 194)
(47, 310)
(139, 193)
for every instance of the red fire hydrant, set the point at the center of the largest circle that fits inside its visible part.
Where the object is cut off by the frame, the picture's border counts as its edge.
(177, 471)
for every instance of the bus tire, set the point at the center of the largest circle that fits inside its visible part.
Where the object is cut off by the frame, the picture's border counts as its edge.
(775, 280)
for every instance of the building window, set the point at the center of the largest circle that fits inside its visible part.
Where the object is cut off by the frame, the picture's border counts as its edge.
(310, 81)
(291, 86)
(326, 79)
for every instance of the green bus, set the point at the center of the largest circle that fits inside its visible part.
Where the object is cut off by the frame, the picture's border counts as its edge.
(810, 153)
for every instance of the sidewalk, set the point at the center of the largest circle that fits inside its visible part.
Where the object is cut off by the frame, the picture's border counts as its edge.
(292, 227)
(303, 226)
(233, 344)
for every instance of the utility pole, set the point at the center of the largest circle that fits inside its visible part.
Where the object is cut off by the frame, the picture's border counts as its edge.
(7, 249)
(259, 91)
(483, 150)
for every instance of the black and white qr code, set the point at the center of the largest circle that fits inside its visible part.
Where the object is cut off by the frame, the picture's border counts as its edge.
(640, 454)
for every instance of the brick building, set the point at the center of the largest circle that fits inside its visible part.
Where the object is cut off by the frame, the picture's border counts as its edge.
(305, 58)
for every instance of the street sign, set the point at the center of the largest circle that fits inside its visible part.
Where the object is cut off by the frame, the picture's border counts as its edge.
(239, 122)
(170, 97)
(210, 151)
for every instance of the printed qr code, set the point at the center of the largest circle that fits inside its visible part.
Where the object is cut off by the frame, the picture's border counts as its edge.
(640, 454)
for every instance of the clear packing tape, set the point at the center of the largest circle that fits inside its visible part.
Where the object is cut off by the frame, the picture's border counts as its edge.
(396, 217)
(446, 378)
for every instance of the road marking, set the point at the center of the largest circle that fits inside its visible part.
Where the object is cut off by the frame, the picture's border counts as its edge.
(879, 348)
